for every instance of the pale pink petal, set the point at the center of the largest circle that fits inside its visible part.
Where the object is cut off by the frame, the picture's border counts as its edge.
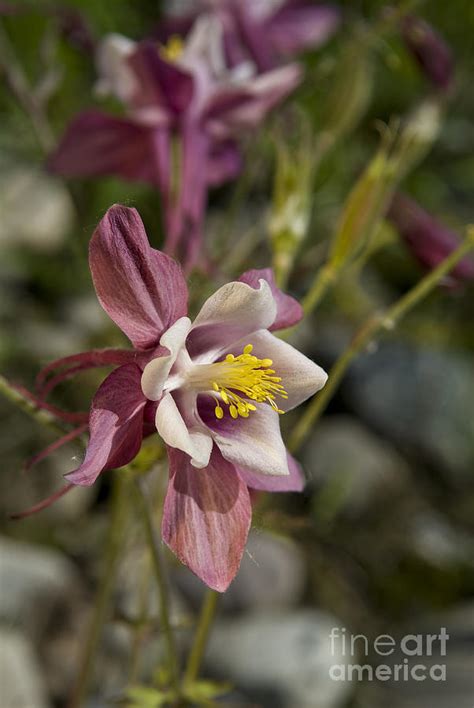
(236, 109)
(206, 518)
(115, 425)
(294, 482)
(254, 442)
(289, 310)
(156, 371)
(301, 25)
(141, 289)
(175, 433)
(300, 376)
(229, 314)
(98, 144)
(115, 75)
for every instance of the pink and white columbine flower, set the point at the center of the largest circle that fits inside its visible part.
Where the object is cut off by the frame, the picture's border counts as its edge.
(185, 112)
(264, 31)
(215, 387)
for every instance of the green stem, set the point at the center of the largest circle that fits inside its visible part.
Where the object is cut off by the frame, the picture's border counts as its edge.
(158, 567)
(203, 629)
(324, 279)
(114, 546)
(384, 321)
(43, 417)
(23, 92)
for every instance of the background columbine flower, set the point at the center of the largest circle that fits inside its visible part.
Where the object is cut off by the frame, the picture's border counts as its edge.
(185, 110)
(265, 31)
(216, 388)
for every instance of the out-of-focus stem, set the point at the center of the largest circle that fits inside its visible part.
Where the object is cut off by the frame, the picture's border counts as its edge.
(323, 281)
(23, 92)
(203, 629)
(43, 417)
(158, 567)
(375, 325)
(114, 546)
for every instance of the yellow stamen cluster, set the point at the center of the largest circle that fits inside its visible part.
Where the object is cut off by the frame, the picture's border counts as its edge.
(173, 49)
(245, 374)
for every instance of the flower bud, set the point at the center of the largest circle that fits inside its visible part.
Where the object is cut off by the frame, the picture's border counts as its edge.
(429, 241)
(430, 50)
(366, 204)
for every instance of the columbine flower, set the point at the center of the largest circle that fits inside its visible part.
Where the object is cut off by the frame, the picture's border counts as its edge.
(216, 388)
(429, 241)
(265, 31)
(184, 113)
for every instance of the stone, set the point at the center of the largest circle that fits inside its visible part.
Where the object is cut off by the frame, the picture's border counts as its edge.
(346, 455)
(36, 208)
(34, 582)
(458, 687)
(420, 398)
(21, 682)
(438, 543)
(280, 659)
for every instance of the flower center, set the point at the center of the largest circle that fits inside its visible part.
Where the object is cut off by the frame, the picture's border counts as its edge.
(173, 49)
(239, 380)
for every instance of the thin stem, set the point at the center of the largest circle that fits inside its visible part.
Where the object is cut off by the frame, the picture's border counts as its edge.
(384, 321)
(114, 545)
(158, 567)
(324, 279)
(23, 92)
(203, 629)
(43, 417)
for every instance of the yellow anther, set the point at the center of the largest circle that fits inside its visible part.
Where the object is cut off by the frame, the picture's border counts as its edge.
(173, 49)
(240, 382)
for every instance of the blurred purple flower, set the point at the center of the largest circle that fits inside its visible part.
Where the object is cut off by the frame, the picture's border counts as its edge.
(208, 386)
(263, 31)
(429, 241)
(185, 110)
(430, 50)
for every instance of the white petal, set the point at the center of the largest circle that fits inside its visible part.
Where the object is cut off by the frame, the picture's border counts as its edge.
(229, 314)
(116, 77)
(175, 433)
(157, 370)
(301, 377)
(254, 442)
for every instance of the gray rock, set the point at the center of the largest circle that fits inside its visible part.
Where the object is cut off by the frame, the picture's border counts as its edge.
(358, 467)
(21, 682)
(458, 687)
(34, 581)
(438, 543)
(36, 208)
(283, 659)
(420, 397)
